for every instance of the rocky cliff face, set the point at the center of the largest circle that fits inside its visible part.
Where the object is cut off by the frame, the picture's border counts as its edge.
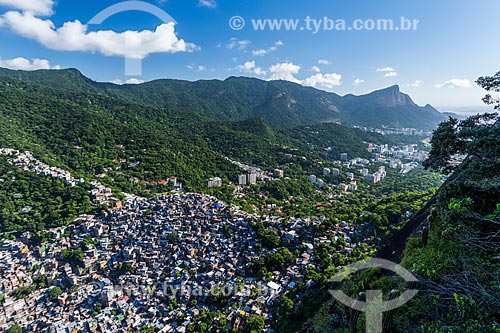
(392, 97)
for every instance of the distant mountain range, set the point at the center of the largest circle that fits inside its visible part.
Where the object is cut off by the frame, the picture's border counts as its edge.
(281, 104)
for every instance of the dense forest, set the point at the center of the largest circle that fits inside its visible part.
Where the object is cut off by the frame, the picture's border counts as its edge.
(35, 202)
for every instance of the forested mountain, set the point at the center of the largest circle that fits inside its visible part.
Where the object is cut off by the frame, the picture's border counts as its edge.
(87, 131)
(281, 104)
(390, 107)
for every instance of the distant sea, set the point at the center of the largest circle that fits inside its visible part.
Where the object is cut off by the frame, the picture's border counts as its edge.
(467, 111)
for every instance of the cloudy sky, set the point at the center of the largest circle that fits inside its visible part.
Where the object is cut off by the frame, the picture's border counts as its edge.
(453, 42)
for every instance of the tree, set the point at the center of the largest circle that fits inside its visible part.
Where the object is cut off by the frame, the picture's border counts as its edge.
(477, 137)
(173, 237)
(54, 293)
(148, 329)
(490, 83)
(15, 329)
(74, 256)
(255, 323)
(286, 305)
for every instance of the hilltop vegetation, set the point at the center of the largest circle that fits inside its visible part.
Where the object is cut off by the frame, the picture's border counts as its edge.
(459, 264)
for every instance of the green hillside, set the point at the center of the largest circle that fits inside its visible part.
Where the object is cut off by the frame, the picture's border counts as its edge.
(87, 132)
(281, 104)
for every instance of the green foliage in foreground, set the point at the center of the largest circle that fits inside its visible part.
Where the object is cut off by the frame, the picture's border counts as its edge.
(458, 263)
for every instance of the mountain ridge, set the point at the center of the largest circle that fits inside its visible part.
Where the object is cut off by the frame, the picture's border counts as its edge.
(282, 104)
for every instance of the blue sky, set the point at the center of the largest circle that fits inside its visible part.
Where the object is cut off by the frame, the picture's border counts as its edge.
(454, 43)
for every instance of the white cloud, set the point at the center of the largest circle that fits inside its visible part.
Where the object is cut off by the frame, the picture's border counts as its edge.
(416, 84)
(325, 81)
(324, 62)
(259, 52)
(455, 83)
(208, 3)
(389, 71)
(199, 68)
(358, 82)
(315, 69)
(134, 81)
(391, 74)
(74, 36)
(239, 44)
(26, 64)
(263, 52)
(250, 67)
(285, 71)
(385, 69)
(36, 7)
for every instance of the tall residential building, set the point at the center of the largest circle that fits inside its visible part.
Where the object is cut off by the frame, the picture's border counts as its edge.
(343, 157)
(214, 182)
(335, 172)
(370, 178)
(373, 178)
(173, 180)
(326, 172)
(252, 178)
(353, 187)
(242, 179)
(313, 179)
(343, 187)
(279, 173)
